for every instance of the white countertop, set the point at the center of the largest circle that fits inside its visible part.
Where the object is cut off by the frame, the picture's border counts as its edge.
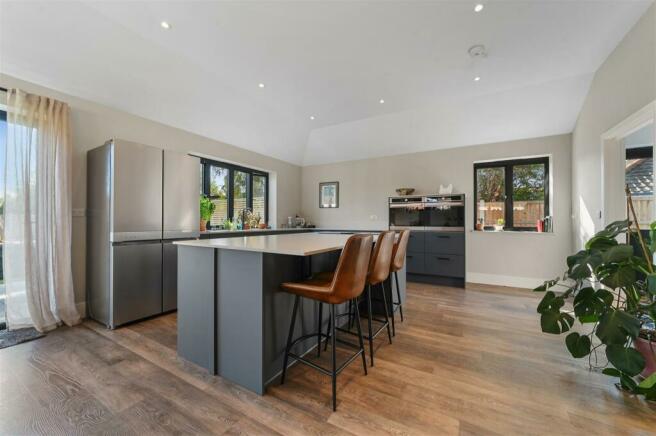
(298, 244)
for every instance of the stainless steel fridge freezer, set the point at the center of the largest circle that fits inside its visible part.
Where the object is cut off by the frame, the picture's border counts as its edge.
(138, 197)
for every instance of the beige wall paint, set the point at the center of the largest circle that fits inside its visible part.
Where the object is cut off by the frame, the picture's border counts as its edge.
(518, 259)
(93, 124)
(624, 84)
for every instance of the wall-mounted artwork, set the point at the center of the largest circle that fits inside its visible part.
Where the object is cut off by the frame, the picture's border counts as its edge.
(329, 194)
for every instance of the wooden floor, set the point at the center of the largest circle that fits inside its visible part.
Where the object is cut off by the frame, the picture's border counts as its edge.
(463, 362)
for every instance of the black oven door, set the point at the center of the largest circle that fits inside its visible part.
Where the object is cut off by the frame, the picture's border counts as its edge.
(405, 216)
(447, 216)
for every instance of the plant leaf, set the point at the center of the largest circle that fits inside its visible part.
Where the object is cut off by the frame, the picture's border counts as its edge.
(578, 346)
(546, 285)
(651, 284)
(617, 275)
(626, 359)
(589, 304)
(550, 302)
(649, 382)
(600, 242)
(556, 322)
(615, 325)
(612, 372)
(582, 264)
(618, 253)
(628, 383)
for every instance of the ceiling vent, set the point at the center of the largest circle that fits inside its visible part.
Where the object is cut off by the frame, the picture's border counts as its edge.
(477, 51)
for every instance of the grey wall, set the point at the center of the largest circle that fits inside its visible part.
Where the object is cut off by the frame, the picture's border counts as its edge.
(625, 83)
(513, 259)
(93, 124)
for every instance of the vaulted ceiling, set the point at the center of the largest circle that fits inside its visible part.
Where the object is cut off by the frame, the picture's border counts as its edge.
(331, 60)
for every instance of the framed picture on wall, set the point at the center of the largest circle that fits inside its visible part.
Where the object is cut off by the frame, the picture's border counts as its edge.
(329, 195)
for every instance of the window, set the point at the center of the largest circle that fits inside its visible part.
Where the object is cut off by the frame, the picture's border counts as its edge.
(232, 189)
(512, 193)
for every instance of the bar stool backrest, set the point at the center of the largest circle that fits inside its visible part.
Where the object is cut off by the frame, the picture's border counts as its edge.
(381, 259)
(351, 272)
(400, 248)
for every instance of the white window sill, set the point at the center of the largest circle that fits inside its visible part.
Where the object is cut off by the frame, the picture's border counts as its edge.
(514, 232)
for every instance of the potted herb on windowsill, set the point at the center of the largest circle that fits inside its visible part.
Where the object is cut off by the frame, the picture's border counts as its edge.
(206, 211)
(499, 225)
(612, 289)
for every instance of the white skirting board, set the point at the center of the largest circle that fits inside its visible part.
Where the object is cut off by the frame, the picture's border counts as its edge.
(500, 280)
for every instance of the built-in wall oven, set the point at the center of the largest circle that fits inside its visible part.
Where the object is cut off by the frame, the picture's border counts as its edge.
(444, 213)
(406, 212)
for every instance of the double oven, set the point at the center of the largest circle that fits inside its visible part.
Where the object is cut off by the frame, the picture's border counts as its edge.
(443, 213)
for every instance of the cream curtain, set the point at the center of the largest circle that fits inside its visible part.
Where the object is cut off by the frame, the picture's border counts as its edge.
(37, 257)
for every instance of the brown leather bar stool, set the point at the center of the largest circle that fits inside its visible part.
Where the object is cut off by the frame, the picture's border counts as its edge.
(379, 269)
(398, 259)
(346, 284)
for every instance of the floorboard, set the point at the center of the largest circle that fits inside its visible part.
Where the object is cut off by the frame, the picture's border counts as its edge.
(464, 362)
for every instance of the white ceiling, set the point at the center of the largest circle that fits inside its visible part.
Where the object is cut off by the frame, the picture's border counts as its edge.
(330, 59)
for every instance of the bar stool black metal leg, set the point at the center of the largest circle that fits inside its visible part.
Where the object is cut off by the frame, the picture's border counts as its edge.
(330, 323)
(386, 310)
(392, 297)
(361, 341)
(350, 314)
(398, 294)
(289, 339)
(371, 334)
(319, 329)
(333, 341)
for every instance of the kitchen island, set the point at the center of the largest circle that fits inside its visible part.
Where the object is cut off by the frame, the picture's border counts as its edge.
(232, 317)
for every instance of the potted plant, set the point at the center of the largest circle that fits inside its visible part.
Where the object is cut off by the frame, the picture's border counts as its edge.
(499, 225)
(206, 211)
(610, 288)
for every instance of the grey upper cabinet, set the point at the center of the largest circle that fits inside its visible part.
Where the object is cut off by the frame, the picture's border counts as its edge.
(137, 189)
(181, 193)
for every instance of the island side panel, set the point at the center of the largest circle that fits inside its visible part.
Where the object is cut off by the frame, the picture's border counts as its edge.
(196, 330)
(239, 341)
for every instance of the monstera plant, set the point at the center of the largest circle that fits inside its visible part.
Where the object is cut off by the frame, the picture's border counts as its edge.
(610, 289)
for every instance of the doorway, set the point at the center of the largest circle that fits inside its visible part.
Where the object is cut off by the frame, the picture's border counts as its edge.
(627, 159)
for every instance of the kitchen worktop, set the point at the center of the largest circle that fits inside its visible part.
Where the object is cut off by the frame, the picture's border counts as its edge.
(297, 244)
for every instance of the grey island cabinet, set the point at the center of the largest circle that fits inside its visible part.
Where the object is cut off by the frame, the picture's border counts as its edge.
(232, 317)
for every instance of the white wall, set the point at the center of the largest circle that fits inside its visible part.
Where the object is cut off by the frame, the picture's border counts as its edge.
(625, 83)
(93, 124)
(512, 259)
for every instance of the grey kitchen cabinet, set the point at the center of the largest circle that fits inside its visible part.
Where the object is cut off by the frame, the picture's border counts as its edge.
(448, 265)
(415, 262)
(445, 243)
(436, 257)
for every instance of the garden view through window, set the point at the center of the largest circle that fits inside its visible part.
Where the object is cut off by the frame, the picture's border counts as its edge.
(512, 194)
(234, 189)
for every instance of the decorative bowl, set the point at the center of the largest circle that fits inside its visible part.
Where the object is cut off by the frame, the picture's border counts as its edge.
(405, 191)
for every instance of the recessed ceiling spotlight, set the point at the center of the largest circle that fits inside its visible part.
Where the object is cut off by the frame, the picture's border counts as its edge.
(165, 25)
(477, 78)
(312, 117)
(479, 7)
(261, 85)
(381, 101)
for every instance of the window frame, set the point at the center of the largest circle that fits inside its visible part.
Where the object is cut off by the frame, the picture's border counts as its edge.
(508, 165)
(207, 163)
